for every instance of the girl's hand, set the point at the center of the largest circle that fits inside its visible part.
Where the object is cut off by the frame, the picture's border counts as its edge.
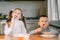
(13, 24)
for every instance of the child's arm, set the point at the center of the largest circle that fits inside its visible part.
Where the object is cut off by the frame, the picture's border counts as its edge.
(7, 30)
(35, 31)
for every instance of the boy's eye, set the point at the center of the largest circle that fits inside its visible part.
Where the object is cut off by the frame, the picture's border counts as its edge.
(42, 21)
(45, 21)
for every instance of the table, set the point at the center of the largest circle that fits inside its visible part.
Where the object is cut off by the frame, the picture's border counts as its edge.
(34, 37)
(38, 37)
(1, 37)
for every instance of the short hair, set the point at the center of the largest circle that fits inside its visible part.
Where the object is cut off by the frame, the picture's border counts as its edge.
(42, 16)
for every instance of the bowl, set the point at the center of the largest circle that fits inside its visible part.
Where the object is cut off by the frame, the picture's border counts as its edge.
(48, 35)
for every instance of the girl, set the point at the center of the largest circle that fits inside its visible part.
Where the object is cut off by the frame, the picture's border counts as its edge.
(14, 24)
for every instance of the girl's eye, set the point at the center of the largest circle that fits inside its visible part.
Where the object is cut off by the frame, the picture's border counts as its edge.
(18, 13)
(14, 12)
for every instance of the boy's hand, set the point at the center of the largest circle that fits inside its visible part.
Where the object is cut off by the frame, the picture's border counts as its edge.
(38, 30)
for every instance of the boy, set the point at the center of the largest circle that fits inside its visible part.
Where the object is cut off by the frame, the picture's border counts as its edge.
(44, 27)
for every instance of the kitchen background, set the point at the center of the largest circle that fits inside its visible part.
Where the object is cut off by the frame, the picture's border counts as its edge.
(31, 10)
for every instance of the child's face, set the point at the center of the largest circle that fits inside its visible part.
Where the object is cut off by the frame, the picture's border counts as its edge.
(43, 22)
(16, 14)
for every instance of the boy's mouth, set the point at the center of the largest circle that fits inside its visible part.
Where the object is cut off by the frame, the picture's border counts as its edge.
(44, 26)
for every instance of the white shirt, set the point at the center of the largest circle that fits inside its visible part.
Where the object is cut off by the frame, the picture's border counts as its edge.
(17, 27)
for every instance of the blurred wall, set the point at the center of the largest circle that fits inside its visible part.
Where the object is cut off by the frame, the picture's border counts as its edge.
(30, 8)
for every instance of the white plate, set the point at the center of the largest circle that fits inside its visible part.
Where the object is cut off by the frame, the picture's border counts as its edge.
(48, 35)
(21, 35)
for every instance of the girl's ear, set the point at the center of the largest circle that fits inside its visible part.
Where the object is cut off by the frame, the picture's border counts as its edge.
(12, 15)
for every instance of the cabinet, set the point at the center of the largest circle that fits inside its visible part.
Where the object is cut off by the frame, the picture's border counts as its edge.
(2, 24)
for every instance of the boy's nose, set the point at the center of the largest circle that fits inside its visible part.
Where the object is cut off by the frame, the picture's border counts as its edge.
(43, 24)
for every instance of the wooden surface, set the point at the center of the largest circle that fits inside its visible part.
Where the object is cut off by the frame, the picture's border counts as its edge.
(38, 37)
(1, 37)
(33, 37)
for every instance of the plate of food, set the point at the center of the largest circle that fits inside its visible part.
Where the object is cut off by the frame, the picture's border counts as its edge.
(21, 35)
(48, 35)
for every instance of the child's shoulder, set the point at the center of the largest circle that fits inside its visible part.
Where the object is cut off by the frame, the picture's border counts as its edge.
(52, 28)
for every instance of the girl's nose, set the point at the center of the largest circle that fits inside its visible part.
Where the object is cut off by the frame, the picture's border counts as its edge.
(15, 17)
